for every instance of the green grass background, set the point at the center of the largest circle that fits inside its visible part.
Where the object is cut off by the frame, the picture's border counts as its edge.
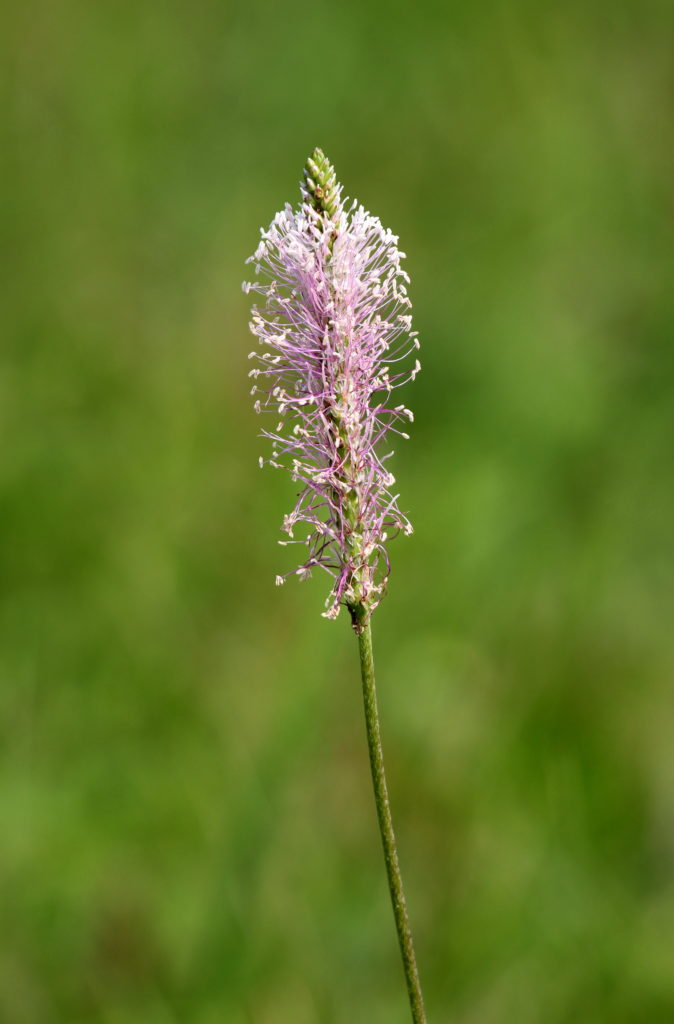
(187, 832)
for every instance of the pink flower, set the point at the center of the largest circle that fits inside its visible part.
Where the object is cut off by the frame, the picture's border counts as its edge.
(334, 332)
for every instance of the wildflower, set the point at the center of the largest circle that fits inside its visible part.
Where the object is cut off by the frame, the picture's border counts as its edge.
(334, 331)
(334, 334)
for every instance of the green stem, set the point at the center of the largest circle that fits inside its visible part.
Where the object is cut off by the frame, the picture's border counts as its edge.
(395, 883)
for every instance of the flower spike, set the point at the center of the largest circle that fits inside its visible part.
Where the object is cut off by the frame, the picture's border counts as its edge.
(334, 330)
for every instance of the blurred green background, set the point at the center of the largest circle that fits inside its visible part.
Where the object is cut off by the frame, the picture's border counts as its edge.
(187, 828)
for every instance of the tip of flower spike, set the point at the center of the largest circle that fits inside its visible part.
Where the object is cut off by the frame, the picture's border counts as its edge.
(320, 186)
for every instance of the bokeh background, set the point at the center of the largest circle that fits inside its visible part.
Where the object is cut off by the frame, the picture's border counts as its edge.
(187, 829)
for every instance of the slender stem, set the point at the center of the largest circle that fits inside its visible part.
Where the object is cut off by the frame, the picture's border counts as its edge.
(395, 882)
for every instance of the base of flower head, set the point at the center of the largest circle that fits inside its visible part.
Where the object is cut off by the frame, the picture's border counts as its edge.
(360, 617)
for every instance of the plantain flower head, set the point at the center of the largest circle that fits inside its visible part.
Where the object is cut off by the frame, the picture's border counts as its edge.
(335, 341)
